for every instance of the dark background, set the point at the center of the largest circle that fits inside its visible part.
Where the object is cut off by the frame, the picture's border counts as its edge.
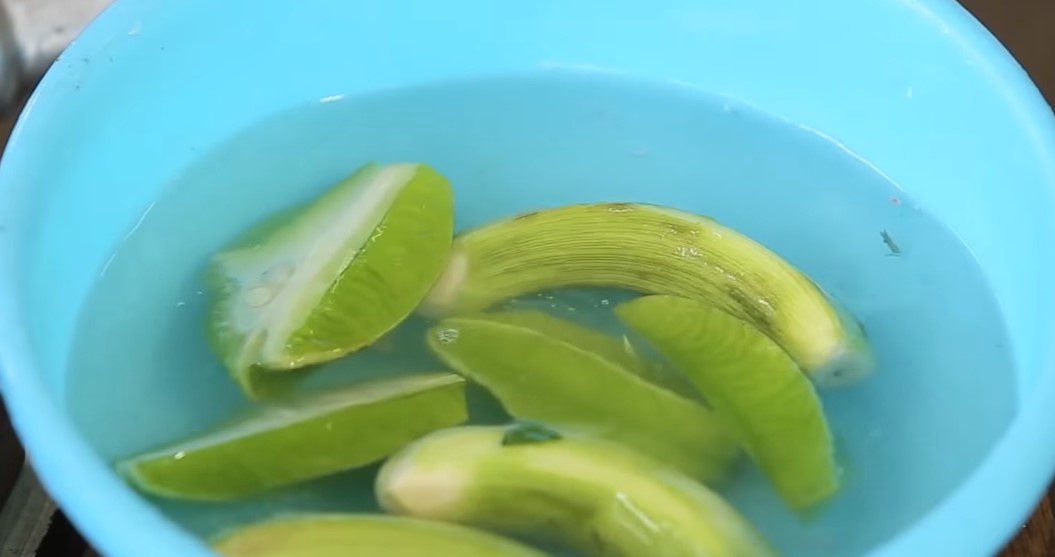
(1027, 29)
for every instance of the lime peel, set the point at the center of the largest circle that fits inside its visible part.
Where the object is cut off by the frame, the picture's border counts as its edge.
(753, 383)
(544, 368)
(307, 437)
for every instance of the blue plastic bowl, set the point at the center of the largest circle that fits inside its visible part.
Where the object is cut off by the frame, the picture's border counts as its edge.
(916, 88)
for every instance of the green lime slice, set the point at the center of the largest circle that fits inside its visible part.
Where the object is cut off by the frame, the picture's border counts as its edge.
(543, 368)
(593, 496)
(753, 383)
(365, 535)
(304, 438)
(620, 352)
(653, 250)
(332, 277)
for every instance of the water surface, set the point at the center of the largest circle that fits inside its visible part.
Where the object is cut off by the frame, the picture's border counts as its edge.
(141, 374)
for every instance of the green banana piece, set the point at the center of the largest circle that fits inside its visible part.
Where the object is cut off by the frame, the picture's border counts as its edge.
(752, 383)
(544, 368)
(654, 250)
(346, 535)
(593, 496)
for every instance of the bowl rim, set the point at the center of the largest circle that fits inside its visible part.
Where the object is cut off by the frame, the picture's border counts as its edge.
(41, 425)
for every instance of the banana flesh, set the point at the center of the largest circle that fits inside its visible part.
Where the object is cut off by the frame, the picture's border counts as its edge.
(592, 496)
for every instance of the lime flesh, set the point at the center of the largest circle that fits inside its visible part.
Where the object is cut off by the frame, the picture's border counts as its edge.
(332, 277)
(618, 351)
(309, 437)
(548, 369)
(753, 383)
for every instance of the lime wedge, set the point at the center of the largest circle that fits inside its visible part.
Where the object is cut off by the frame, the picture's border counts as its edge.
(333, 277)
(596, 497)
(753, 383)
(543, 368)
(350, 535)
(305, 438)
(620, 352)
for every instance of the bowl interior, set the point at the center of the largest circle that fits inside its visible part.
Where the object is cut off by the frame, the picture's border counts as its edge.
(165, 131)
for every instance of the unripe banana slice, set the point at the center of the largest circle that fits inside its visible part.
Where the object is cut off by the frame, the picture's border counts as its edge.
(593, 496)
(654, 250)
(350, 535)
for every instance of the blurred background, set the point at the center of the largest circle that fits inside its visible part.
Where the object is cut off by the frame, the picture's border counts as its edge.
(33, 32)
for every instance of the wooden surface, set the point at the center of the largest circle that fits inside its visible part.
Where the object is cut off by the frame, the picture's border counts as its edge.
(1037, 538)
(10, 457)
(1027, 29)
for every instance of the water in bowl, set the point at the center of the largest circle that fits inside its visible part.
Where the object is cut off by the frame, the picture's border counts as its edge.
(945, 385)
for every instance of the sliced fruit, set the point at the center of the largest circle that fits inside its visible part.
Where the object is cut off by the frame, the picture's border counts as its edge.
(333, 277)
(305, 438)
(618, 351)
(593, 496)
(349, 535)
(544, 368)
(655, 250)
(750, 381)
